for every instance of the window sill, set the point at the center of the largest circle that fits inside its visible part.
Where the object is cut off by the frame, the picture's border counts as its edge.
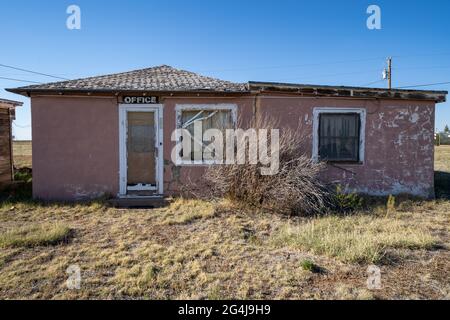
(355, 163)
(197, 163)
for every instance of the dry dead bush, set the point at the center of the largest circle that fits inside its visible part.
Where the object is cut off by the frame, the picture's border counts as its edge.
(294, 190)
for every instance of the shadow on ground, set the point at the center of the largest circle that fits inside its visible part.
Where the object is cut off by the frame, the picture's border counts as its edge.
(442, 184)
(21, 191)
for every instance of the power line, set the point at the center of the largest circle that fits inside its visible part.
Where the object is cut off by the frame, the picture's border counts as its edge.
(321, 76)
(295, 66)
(422, 55)
(20, 80)
(370, 83)
(324, 63)
(424, 85)
(22, 127)
(421, 68)
(30, 71)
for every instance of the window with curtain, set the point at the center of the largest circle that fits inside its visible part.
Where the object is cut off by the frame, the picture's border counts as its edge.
(210, 119)
(339, 136)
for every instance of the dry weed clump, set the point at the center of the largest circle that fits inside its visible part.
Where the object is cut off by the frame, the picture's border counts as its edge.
(294, 190)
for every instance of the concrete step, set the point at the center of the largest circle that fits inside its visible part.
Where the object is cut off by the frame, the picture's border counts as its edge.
(139, 202)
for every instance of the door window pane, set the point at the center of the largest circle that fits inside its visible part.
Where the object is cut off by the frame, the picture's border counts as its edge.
(141, 149)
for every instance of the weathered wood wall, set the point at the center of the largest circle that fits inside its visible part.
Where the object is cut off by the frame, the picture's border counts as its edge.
(5, 147)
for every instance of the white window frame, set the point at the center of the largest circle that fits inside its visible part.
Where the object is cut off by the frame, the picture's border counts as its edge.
(362, 134)
(123, 111)
(179, 108)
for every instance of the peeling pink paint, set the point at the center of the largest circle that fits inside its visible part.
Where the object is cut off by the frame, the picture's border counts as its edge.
(399, 150)
(76, 148)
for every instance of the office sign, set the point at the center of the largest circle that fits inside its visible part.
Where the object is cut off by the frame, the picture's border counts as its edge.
(140, 100)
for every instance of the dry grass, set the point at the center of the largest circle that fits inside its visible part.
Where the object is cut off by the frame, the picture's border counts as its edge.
(35, 235)
(224, 252)
(196, 249)
(355, 239)
(22, 154)
(183, 211)
(442, 159)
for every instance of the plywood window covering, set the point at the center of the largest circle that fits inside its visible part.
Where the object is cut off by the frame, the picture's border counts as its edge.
(210, 119)
(339, 137)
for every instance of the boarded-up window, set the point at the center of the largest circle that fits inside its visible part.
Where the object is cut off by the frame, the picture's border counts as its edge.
(210, 119)
(339, 136)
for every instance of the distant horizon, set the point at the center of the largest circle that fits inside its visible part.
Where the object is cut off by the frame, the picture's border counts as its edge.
(322, 43)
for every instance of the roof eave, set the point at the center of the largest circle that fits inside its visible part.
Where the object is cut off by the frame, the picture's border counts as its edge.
(28, 92)
(11, 102)
(263, 87)
(348, 92)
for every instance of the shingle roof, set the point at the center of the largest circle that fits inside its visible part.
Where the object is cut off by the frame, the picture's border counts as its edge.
(161, 78)
(11, 102)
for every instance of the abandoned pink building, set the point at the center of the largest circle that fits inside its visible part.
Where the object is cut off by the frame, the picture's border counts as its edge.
(111, 135)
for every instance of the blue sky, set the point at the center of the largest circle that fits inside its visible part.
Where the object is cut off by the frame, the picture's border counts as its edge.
(321, 42)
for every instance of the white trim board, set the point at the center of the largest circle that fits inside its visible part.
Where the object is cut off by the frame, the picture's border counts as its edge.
(123, 110)
(362, 134)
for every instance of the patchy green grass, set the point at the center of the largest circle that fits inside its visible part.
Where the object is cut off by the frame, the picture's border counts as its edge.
(24, 175)
(35, 235)
(309, 265)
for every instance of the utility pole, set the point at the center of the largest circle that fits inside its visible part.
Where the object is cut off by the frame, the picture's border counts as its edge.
(389, 73)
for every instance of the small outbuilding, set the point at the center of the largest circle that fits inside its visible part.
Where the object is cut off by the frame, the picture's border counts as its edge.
(114, 134)
(7, 116)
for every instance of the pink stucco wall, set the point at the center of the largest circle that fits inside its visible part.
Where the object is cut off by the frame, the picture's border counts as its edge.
(399, 151)
(76, 153)
(75, 148)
